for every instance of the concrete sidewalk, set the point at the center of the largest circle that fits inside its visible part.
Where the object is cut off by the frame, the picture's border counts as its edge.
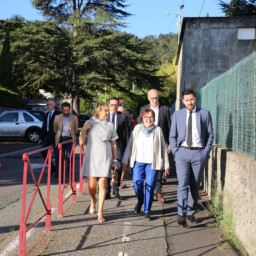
(124, 233)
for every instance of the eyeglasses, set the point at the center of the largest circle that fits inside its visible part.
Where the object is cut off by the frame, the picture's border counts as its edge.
(155, 98)
(48, 104)
(148, 117)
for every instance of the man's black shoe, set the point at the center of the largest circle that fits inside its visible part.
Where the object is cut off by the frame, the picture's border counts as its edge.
(116, 195)
(192, 219)
(181, 220)
(107, 196)
(147, 216)
(137, 208)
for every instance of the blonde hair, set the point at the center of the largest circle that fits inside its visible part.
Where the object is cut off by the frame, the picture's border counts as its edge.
(98, 107)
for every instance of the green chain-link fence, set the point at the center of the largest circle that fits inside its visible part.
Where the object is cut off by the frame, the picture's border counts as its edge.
(231, 99)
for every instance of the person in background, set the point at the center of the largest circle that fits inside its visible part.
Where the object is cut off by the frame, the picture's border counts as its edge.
(65, 129)
(48, 137)
(100, 155)
(163, 120)
(121, 108)
(191, 138)
(127, 112)
(146, 153)
(120, 122)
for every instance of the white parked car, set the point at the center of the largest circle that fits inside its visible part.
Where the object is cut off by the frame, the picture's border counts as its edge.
(20, 123)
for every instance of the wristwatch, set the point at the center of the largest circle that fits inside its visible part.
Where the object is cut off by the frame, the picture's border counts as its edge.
(115, 160)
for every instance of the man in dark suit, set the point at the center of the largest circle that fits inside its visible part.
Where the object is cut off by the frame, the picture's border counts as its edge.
(48, 137)
(121, 124)
(163, 120)
(191, 138)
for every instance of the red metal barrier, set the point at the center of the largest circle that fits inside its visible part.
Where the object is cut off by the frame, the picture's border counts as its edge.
(81, 179)
(62, 173)
(23, 219)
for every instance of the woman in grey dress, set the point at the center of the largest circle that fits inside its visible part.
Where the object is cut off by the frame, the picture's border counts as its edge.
(100, 154)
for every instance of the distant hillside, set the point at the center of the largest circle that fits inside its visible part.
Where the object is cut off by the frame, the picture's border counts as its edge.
(164, 47)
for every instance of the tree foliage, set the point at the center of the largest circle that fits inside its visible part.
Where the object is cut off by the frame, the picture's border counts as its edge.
(6, 63)
(238, 8)
(42, 58)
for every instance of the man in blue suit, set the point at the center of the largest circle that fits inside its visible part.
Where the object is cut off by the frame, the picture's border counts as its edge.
(191, 138)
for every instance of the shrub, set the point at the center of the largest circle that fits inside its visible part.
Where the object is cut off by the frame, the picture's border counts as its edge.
(9, 98)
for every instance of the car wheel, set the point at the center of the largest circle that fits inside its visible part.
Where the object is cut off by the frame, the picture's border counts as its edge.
(33, 135)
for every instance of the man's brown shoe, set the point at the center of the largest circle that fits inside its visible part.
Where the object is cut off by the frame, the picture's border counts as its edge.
(160, 197)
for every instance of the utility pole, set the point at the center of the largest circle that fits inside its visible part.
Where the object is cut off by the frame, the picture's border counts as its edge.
(179, 22)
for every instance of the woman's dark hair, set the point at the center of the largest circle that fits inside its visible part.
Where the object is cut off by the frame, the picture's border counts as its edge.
(188, 91)
(146, 111)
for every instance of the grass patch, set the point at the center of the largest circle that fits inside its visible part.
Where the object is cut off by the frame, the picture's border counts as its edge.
(225, 221)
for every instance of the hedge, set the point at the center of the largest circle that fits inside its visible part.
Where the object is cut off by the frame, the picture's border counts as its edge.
(9, 98)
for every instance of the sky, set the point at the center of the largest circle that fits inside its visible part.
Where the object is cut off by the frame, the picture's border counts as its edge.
(150, 17)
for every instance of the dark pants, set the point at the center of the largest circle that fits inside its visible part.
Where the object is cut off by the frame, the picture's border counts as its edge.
(67, 151)
(50, 141)
(118, 174)
(159, 181)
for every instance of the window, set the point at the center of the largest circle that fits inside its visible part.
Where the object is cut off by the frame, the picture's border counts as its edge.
(9, 117)
(28, 118)
(246, 33)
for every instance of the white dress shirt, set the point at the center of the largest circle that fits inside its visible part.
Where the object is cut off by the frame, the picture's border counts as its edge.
(196, 141)
(144, 148)
(156, 111)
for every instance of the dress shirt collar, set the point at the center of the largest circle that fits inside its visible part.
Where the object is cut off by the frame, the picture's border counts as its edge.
(193, 111)
(156, 108)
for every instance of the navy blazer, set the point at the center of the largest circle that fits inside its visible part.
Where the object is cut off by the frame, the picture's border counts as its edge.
(179, 129)
(164, 119)
(44, 127)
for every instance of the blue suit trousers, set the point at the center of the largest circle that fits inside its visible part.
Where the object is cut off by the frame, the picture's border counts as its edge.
(141, 172)
(189, 166)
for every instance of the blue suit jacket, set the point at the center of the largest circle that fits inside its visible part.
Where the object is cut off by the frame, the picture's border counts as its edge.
(179, 130)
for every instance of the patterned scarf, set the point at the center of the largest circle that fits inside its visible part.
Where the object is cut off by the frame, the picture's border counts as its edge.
(148, 131)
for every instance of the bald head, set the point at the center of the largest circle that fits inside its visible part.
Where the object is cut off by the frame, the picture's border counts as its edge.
(153, 98)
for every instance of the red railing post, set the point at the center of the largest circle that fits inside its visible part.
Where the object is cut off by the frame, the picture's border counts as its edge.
(23, 227)
(48, 205)
(60, 197)
(81, 180)
(73, 171)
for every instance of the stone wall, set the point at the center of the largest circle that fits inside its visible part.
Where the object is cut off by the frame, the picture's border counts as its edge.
(233, 176)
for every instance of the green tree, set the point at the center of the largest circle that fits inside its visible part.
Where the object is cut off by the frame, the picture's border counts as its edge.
(168, 72)
(103, 13)
(238, 8)
(6, 63)
(42, 58)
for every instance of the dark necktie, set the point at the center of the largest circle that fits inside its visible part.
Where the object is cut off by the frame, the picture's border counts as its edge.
(48, 123)
(113, 119)
(189, 137)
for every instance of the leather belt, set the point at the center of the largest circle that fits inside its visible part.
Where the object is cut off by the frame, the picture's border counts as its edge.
(191, 148)
(66, 137)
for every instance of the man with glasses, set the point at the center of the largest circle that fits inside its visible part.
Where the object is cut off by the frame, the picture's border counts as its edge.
(121, 125)
(163, 120)
(48, 137)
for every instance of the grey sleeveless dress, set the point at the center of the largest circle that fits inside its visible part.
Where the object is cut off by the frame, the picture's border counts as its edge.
(98, 154)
